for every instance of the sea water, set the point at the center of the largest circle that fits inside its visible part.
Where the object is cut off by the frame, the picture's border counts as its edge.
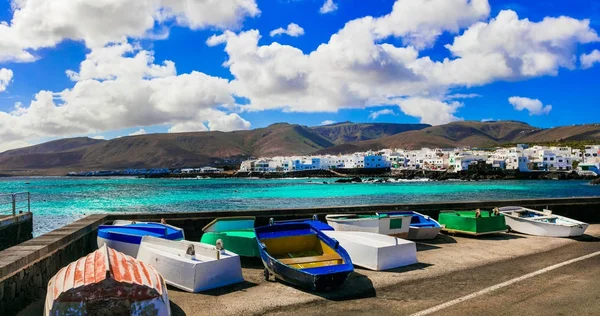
(57, 201)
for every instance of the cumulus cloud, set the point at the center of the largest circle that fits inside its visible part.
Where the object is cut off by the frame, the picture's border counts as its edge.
(6, 76)
(140, 131)
(487, 120)
(462, 96)
(293, 30)
(98, 137)
(533, 106)
(375, 114)
(431, 111)
(328, 7)
(327, 122)
(588, 60)
(40, 23)
(114, 91)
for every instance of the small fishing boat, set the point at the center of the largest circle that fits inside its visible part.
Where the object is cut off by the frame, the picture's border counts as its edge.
(421, 226)
(313, 221)
(107, 282)
(127, 238)
(376, 251)
(302, 255)
(393, 225)
(191, 266)
(532, 222)
(237, 234)
(472, 222)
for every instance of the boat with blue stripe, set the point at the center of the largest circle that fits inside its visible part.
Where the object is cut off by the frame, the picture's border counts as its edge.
(420, 227)
(127, 238)
(302, 255)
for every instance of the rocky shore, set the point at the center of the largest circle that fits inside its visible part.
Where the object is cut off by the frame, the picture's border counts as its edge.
(361, 175)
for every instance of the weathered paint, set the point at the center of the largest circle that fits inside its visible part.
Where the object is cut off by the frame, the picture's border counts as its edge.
(107, 277)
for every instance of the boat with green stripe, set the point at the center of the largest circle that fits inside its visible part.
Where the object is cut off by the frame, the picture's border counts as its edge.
(237, 234)
(387, 224)
(477, 222)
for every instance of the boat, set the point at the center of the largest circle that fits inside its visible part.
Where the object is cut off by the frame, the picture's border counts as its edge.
(191, 266)
(376, 251)
(301, 255)
(107, 282)
(127, 238)
(472, 222)
(532, 222)
(368, 250)
(421, 226)
(393, 225)
(237, 234)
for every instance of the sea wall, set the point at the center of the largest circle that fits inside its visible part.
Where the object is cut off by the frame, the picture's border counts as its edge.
(15, 230)
(26, 269)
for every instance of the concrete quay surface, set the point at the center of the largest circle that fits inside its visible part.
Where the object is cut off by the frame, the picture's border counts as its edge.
(449, 267)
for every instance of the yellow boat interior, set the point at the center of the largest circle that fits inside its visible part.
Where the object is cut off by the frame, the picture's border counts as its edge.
(302, 252)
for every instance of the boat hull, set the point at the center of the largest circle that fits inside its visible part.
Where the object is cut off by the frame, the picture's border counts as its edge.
(376, 251)
(423, 233)
(397, 226)
(129, 249)
(201, 272)
(465, 222)
(421, 226)
(127, 238)
(242, 243)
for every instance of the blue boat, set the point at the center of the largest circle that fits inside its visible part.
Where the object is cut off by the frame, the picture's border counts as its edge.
(314, 222)
(127, 238)
(302, 255)
(421, 226)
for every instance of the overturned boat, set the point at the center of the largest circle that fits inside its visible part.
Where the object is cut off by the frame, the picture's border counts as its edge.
(393, 225)
(126, 238)
(236, 233)
(532, 222)
(474, 223)
(107, 282)
(302, 255)
(191, 266)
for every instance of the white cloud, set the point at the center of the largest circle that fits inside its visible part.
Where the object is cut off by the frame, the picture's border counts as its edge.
(98, 137)
(13, 144)
(6, 76)
(375, 114)
(292, 29)
(113, 92)
(534, 106)
(41, 23)
(431, 111)
(140, 131)
(588, 60)
(421, 22)
(462, 96)
(487, 120)
(327, 122)
(328, 6)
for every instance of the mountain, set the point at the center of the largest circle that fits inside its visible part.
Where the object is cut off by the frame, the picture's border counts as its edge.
(346, 132)
(474, 134)
(229, 148)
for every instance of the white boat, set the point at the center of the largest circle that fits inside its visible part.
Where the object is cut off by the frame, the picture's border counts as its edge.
(126, 237)
(191, 266)
(107, 282)
(375, 251)
(393, 225)
(532, 222)
(421, 226)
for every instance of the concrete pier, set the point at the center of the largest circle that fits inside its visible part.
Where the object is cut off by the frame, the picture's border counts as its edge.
(25, 269)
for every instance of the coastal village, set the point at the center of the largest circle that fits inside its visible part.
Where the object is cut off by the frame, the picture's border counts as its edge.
(521, 157)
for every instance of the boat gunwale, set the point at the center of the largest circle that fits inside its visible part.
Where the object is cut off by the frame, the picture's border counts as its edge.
(227, 219)
(573, 222)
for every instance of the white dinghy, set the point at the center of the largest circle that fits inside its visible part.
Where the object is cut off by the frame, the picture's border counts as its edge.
(532, 222)
(375, 251)
(393, 225)
(191, 266)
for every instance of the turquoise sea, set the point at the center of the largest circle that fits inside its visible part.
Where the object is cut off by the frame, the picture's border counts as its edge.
(57, 201)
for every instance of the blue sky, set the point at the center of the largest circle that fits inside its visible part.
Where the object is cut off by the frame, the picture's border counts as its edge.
(257, 100)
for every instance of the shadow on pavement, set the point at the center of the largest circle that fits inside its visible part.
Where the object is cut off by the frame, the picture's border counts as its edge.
(440, 239)
(586, 238)
(222, 290)
(357, 286)
(412, 267)
(176, 310)
(425, 247)
(251, 263)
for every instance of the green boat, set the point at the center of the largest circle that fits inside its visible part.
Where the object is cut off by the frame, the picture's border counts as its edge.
(472, 222)
(236, 233)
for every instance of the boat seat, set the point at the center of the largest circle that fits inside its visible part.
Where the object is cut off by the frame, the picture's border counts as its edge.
(300, 260)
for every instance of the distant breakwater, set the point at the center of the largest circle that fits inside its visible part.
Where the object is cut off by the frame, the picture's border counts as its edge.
(470, 175)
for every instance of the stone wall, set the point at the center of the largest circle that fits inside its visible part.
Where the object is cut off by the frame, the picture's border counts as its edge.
(15, 230)
(26, 269)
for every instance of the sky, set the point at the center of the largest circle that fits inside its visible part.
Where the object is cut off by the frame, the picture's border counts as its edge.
(113, 68)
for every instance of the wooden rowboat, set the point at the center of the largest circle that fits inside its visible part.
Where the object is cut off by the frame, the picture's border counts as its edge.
(532, 222)
(302, 255)
(107, 282)
(191, 266)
